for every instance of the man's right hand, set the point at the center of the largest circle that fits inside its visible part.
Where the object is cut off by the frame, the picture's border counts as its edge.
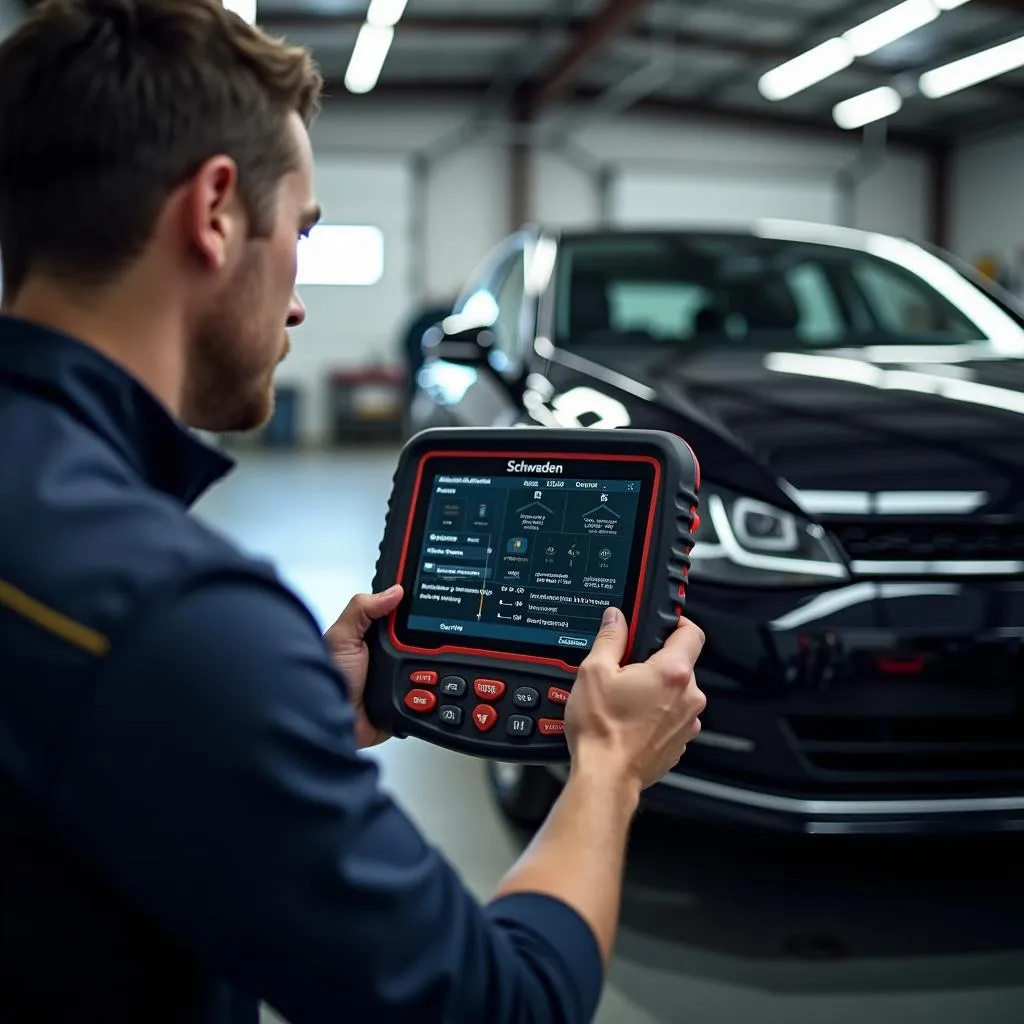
(637, 719)
(626, 728)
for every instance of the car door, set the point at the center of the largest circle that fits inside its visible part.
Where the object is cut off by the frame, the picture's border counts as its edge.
(486, 394)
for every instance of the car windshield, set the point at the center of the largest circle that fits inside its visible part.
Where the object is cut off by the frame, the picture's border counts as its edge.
(749, 291)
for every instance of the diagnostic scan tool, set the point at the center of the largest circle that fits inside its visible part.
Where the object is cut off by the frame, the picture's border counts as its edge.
(510, 544)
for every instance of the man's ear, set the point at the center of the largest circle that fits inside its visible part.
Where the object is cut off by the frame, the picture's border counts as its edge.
(214, 215)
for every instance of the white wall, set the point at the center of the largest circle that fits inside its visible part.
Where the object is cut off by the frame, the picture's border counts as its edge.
(988, 211)
(895, 198)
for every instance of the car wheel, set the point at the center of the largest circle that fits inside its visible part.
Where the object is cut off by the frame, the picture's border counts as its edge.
(525, 793)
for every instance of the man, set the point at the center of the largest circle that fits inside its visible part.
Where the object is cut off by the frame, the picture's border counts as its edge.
(186, 827)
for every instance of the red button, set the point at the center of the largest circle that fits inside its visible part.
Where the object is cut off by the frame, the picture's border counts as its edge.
(421, 701)
(485, 718)
(551, 726)
(489, 689)
(557, 696)
(423, 678)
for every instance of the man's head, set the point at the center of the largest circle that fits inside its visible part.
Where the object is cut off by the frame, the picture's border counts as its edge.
(163, 141)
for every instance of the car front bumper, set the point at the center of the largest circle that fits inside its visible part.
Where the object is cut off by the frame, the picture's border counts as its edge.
(873, 708)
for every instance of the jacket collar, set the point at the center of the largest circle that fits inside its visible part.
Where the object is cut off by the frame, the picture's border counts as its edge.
(109, 401)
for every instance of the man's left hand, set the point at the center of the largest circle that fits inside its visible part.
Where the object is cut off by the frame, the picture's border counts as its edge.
(347, 644)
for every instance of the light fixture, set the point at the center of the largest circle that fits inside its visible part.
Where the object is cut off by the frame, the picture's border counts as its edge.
(890, 25)
(835, 55)
(808, 69)
(867, 107)
(968, 71)
(367, 61)
(385, 13)
(245, 9)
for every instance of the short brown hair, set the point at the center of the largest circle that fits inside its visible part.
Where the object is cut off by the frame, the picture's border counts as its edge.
(107, 106)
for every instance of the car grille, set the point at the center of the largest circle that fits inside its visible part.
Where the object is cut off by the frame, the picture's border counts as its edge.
(910, 749)
(943, 541)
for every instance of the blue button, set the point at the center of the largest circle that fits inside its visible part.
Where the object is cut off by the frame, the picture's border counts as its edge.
(573, 641)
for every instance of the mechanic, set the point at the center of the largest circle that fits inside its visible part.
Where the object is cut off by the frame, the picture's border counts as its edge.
(186, 827)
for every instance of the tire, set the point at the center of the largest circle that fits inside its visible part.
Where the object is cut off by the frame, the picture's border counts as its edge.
(525, 794)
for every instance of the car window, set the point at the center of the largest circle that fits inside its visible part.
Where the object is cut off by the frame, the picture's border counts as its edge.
(820, 318)
(741, 290)
(661, 309)
(902, 306)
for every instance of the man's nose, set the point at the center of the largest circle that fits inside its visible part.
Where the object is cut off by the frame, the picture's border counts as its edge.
(296, 311)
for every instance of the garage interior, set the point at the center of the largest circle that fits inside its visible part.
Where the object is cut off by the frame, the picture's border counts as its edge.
(458, 123)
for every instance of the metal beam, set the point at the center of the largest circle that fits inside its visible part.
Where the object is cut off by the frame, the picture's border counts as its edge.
(520, 153)
(445, 26)
(284, 21)
(940, 167)
(609, 23)
(669, 108)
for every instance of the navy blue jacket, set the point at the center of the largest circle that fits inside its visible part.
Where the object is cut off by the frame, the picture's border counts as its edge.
(185, 825)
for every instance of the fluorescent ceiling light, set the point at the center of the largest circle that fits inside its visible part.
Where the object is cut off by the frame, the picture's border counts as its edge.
(385, 13)
(869, 106)
(890, 25)
(371, 50)
(245, 9)
(968, 71)
(806, 70)
(341, 254)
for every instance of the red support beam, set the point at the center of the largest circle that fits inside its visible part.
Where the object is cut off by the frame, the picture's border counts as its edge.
(603, 29)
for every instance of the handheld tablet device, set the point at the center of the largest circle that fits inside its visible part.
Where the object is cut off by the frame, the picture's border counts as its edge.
(510, 544)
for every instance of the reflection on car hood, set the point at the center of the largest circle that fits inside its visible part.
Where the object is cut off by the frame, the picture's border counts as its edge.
(951, 419)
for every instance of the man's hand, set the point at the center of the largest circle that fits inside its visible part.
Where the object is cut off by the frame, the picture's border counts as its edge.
(636, 719)
(345, 640)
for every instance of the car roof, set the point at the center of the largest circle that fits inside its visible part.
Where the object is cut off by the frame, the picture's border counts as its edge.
(768, 229)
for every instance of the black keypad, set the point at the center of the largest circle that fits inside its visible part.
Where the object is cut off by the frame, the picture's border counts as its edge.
(525, 697)
(453, 686)
(520, 725)
(450, 716)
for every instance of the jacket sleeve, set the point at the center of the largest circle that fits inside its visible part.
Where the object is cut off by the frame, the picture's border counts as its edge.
(215, 782)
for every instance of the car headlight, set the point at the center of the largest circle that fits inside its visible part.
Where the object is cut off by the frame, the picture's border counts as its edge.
(745, 541)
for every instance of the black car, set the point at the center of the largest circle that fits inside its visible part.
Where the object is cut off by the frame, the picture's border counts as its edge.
(856, 402)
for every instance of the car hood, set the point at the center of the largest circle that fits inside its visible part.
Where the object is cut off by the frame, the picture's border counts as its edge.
(938, 418)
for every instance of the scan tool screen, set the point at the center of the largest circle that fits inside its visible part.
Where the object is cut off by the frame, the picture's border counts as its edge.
(510, 554)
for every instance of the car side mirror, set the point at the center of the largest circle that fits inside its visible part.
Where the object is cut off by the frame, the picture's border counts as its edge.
(467, 347)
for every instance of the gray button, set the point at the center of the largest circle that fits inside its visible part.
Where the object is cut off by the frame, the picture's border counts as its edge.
(453, 686)
(520, 725)
(450, 716)
(525, 697)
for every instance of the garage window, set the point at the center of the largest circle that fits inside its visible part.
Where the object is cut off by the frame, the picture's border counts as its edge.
(343, 255)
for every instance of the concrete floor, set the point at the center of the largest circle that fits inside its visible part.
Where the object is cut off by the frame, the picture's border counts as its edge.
(717, 926)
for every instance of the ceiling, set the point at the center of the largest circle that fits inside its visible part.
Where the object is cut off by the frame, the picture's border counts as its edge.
(703, 57)
(689, 56)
